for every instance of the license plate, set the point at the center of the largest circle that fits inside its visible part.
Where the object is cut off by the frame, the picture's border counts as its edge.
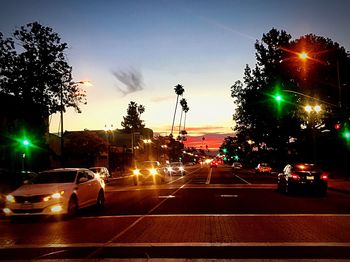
(309, 177)
(27, 206)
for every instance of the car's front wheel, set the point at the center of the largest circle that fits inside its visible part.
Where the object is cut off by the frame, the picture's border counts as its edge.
(100, 200)
(72, 206)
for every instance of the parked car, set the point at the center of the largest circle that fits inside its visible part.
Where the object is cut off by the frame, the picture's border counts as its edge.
(10, 181)
(56, 192)
(302, 176)
(148, 171)
(102, 172)
(237, 165)
(263, 168)
(175, 168)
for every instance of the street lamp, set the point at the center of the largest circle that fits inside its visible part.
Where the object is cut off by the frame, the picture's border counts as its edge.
(303, 56)
(83, 82)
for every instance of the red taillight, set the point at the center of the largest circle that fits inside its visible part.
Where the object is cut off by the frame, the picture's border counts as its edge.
(324, 176)
(295, 177)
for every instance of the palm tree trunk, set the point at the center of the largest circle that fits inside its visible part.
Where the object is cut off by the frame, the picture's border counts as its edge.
(180, 121)
(172, 126)
(185, 121)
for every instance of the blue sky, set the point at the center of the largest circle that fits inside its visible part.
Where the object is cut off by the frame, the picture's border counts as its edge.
(203, 45)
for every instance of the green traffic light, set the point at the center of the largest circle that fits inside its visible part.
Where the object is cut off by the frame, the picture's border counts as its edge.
(236, 157)
(25, 142)
(224, 150)
(346, 135)
(278, 98)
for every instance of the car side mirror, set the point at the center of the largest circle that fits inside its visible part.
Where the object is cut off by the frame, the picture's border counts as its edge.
(82, 180)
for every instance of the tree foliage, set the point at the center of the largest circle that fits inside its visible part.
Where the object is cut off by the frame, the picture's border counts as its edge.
(132, 121)
(33, 68)
(85, 145)
(279, 71)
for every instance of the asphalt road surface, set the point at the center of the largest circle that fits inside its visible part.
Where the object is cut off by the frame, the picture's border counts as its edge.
(208, 213)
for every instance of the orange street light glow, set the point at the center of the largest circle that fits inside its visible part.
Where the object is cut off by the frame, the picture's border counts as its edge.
(303, 56)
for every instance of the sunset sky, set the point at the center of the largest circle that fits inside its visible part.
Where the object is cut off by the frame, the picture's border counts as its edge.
(202, 45)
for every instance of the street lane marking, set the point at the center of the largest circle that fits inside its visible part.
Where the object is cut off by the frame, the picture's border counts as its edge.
(216, 215)
(181, 244)
(170, 196)
(209, 176)
(182, 177)
(228, 195)
(245, 181)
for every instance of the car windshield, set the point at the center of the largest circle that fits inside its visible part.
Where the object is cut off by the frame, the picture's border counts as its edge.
(148, 164)
(306, 167)
(55, 177)
(176, 164)
(96, 169)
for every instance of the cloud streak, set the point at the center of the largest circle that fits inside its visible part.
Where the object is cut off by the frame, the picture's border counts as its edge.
(131, 79)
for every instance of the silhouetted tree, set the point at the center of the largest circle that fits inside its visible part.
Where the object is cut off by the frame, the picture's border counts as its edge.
(132, 121)
(183, 103)
(84, 147)
(179, 90)
(38, 71)
(279, 71)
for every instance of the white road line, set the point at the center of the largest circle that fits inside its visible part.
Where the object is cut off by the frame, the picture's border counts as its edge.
(228, 196)
(209, 176)
(217, 215)
(182, 177)
(186, 244)
(245, 181)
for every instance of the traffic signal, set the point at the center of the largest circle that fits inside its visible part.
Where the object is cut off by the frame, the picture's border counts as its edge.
(236, 157)
(224, 150)
(278, 97)
(346, 134)
(25, 142)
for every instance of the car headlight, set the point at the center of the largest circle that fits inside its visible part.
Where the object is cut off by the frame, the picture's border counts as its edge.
(169, 169)
(136, 171)
(56, 195)
(153, 171)
(10, 199)
(181, 168)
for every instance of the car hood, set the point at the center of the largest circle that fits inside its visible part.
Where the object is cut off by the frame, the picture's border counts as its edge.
(41, 189)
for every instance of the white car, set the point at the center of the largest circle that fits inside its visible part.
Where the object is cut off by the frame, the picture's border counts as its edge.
(175, 168)
(102, 172)
(56, 192)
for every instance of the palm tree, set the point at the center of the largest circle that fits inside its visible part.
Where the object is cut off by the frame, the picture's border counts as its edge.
(179, 90)
(185, 110)
(183, 103)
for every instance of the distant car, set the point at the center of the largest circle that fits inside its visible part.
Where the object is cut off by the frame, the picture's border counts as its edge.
(148, 171)
(10, 181)
(56, 192)
(263, 168)
(102, 172)
(175, 168)
(237, 165)
(214, 163)
(302, 176)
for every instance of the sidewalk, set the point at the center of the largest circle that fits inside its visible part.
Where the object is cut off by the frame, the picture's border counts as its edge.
(340, 185)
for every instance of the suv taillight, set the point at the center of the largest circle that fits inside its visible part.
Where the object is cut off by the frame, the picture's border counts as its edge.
(295, 177)
(324, 176)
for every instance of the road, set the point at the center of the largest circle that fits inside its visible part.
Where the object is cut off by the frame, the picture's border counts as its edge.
(209, 213)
